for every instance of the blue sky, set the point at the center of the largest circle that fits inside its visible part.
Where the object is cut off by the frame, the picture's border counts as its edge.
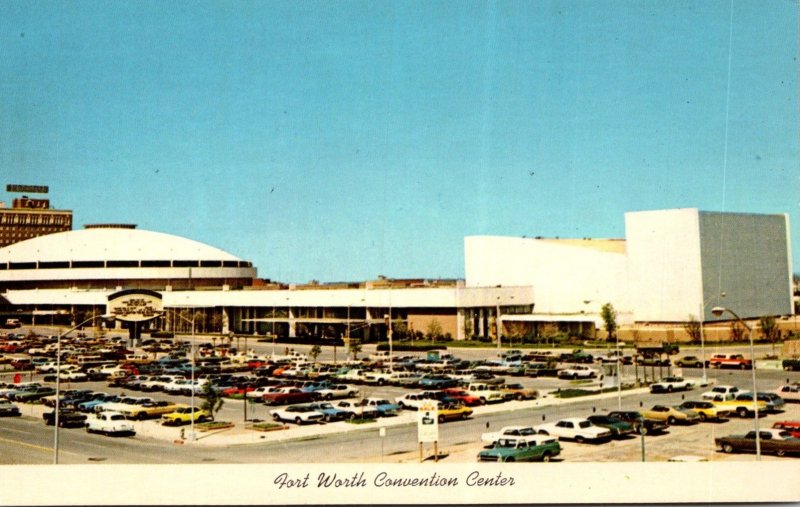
(343, 140)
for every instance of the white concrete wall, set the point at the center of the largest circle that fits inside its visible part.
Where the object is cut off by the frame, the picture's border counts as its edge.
(564, 277)
(664, 266)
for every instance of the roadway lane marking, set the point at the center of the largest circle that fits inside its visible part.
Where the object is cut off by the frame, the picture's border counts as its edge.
(11, 430)
(37, 447)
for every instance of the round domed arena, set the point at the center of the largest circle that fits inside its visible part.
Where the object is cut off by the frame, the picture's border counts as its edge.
(101, 257)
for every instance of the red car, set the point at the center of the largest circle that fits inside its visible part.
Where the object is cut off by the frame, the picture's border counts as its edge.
(231, 391)
(289, 395)
(792, 427)
(463, 396)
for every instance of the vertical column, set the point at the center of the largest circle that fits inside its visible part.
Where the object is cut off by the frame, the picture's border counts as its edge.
(460, 319)
(226, 321)
(292, 323)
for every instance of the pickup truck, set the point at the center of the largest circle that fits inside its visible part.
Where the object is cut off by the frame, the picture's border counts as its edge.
(730, 361)
(791, 364)
(742, 408)
(530, 448)
(485, 392)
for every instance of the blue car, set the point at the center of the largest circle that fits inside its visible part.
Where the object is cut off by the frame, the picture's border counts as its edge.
(330, 412)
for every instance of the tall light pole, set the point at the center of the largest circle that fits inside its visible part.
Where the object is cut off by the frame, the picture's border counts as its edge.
(497, 322)
(702, 336)
(192, 352)
(718, 311)
(62, 334)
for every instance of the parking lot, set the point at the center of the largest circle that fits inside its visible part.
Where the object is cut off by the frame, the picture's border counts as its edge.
(334, 442)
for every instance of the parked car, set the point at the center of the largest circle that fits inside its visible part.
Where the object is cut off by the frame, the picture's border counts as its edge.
(507, 432)
(297, 414)
(772, 441)
(337, 391)
(792, 427)
(617, 427)
(672, 415)
(689, 362)
(109, 423)
(727, 393)
(184, 415)
(32, 394)
(289, 395)
(575, 428)
(356, 411)
(383, 406)
(705, 410)
(529, 448)
(8, 409)
(730, 361)
(66, 418)
(577, 371)
(791, 364)
(789, 392)
(670, 384)
(330, 413)
(463, 397)
(773, 403)
(452, 412)
(742, 407)
(639, 421)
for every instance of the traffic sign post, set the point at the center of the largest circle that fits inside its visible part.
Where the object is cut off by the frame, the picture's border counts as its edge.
(428, 427)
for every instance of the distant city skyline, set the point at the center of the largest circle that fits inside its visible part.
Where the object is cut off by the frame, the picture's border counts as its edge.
(342, 141)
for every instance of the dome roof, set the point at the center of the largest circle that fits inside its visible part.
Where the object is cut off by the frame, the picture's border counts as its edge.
(110, 244)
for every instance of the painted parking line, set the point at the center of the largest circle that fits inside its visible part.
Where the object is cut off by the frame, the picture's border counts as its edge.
(48, 450)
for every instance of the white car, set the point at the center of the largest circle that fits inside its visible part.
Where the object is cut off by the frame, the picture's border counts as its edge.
(789, 392)
(669, 384)
(575, 428)
(412, 401)
(109, 423)
(73, 376)
(258, 392)
(298, 414)
(726, 392)
(508, 431)
(577, 371)
(338, 391)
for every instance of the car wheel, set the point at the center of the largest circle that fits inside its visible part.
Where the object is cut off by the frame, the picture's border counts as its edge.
(741, 412)
(543, 432)
(727, 448)
(328, 418)
(580, 439)
(546, 457)
(574, 376)
(743, 366)
(201, 419)
(441, 419)
(519, 397)
(671, 421)
(329, 397)
(780, 453)
(669, 389)
(352, 415)
(789, 367)
(298, 421)
(703, 417)
(483, 400)
(276, 417)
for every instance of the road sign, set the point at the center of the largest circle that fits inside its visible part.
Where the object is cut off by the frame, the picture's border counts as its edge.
(428, 422)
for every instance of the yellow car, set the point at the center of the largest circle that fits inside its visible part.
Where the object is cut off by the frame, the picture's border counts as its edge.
(453, 413)
(705, 409)
(672, 415)
(183, 415)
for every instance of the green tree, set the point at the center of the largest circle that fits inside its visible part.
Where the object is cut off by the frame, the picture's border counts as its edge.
(609, 316)
(738, 331)
(769, 330)
(399, 329)
(468, 331)
(212, 401)
(354, 347)
(315, 351)
(692, 328)
(434, 330)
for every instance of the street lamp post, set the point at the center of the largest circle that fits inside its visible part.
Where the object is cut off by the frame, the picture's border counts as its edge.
(497, 319)
(62, 334)
(192, 353)
(718, 311)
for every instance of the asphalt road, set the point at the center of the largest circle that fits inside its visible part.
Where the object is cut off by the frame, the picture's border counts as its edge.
(28, 441)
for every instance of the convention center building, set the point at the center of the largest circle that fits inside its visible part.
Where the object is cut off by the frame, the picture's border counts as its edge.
(672, 265)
